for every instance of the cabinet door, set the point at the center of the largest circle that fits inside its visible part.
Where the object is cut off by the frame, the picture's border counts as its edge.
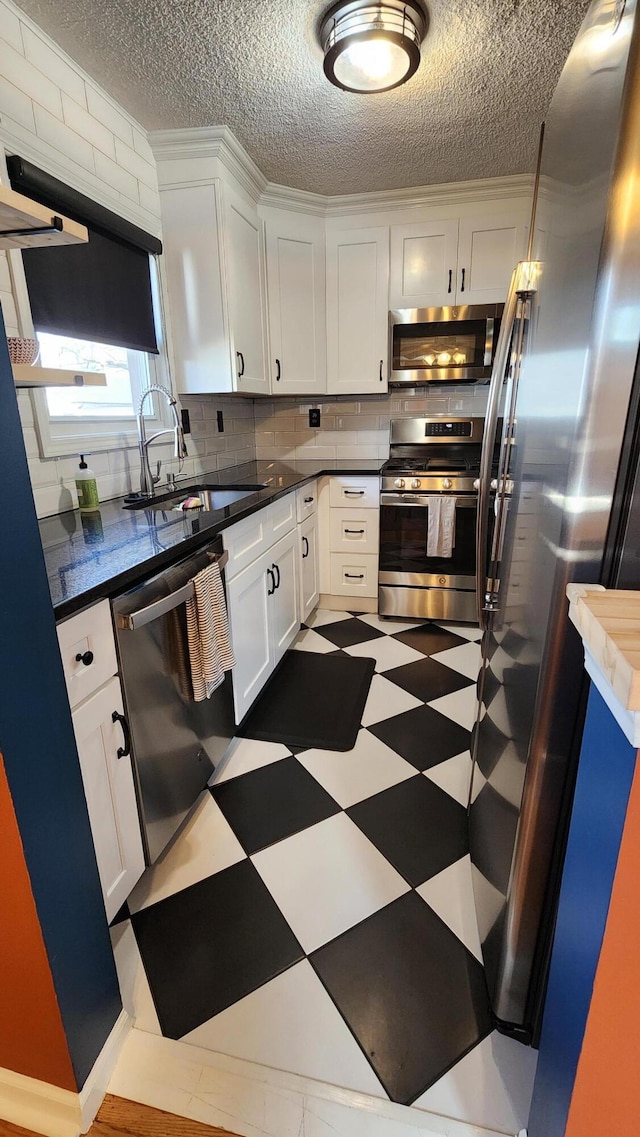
(243, 242)
(110, 793)
(488, 250)
(249, 608)
(192, 228)
(297, 306)
(357, 310)
(309, 566)
(424, 259)
(284, 613)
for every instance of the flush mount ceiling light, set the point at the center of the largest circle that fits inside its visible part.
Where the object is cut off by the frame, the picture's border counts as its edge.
(372, 47)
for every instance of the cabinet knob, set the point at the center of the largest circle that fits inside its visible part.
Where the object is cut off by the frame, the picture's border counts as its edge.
(85, 657)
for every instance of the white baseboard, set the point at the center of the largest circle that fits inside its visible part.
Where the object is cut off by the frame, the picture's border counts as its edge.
(55, 1112)
(39, 1105)
(245, 1097)
(92, 1093)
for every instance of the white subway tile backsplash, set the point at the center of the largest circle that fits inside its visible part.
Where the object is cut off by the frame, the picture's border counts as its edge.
(66, 141)
(142, 147)
(30, 80)
(15, 104)
(51, 63)
(10, 30)
(79, 119)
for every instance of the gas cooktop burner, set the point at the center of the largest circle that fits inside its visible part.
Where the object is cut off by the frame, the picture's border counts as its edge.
(424, 465)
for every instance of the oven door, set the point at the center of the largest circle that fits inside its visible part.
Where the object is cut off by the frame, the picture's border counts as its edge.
(403, 544)
(435, 345)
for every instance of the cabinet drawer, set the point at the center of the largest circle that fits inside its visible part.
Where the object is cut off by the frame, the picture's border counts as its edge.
(249, 539)
(307, 501)
(355, 575)
(350, 490)
(89, 636)
(354, 531)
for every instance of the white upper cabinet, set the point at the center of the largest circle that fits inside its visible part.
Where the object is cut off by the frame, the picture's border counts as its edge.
(357, 310)
(424, 261)
(297, 308)
(435, 264)
(489, 249)
(245, 269)
(214, 266)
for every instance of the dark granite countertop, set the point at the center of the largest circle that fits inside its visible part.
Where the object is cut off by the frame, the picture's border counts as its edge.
(92, 556)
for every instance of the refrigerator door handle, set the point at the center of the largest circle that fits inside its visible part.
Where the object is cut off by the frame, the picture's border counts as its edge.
(523, 284)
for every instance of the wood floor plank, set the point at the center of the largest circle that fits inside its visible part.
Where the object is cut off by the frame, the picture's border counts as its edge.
(119, 1117)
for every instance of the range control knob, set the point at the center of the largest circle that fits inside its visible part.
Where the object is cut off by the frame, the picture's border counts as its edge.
(447, 484)
(415, 483)
(399, 483)
(476, 484)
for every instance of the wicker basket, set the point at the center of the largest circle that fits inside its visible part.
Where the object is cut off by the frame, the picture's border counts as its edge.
(22, 350)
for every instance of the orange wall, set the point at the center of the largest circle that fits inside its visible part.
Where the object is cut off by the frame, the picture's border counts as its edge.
(606, 1094)
(32, 1038)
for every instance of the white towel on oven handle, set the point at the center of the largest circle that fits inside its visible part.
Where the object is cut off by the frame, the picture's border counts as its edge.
(441, 526)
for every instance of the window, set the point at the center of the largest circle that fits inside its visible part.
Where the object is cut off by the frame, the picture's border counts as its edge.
(95, 306)
(127, 374)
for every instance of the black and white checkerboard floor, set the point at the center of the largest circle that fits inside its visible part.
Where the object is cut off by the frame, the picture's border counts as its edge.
(316, 914)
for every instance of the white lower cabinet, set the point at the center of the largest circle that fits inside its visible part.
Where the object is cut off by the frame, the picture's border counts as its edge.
(110, 792)
(264, 617)
(309, 566)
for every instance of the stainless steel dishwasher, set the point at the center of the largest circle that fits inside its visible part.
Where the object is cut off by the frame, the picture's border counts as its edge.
(176, 743)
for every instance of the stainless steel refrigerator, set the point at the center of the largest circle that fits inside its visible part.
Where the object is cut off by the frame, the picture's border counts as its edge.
(563, 398)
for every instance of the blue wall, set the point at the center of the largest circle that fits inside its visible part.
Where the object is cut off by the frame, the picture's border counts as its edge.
(605, 773)
(37, 741)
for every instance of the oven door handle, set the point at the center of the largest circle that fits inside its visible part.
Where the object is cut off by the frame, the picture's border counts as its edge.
(420, 501)
(134, 620)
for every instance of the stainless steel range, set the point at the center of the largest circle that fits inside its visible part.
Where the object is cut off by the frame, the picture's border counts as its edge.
(429, 459)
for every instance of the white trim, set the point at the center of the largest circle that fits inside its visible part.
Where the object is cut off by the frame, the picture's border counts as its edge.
(165, 1074)
(92, 1093)
(55, 1112)
(219, 142)
(38, 1105)
(628, 721)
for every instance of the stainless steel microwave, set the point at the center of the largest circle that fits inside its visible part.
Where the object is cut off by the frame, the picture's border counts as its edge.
(441, 345)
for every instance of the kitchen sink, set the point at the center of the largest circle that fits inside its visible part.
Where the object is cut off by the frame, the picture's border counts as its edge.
(210, 498)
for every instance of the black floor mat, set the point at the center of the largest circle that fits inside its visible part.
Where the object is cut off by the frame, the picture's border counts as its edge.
(312, 701)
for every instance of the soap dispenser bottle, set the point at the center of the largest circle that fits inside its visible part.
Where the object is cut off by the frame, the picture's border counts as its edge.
(87, 487)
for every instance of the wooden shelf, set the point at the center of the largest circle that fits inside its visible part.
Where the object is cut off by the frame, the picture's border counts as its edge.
(36, 224)
(24, 376)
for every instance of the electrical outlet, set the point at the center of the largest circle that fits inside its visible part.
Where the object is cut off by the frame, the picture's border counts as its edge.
(314, 417)
(186, 424)
(220, 420)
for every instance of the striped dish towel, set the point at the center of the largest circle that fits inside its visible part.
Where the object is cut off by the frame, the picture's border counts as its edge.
(210, 653)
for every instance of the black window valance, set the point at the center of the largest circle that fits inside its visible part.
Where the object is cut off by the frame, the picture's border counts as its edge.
(99, 291)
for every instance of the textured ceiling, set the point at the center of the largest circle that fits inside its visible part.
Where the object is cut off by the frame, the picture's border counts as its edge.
(472, 110)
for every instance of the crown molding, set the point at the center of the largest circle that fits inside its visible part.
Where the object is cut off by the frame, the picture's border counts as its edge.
(220, 142)
(207, 142)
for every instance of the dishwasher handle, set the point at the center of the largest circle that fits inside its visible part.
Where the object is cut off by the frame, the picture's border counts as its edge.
(134, 620)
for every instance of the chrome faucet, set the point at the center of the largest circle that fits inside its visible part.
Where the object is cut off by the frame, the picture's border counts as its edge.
(148, 481)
